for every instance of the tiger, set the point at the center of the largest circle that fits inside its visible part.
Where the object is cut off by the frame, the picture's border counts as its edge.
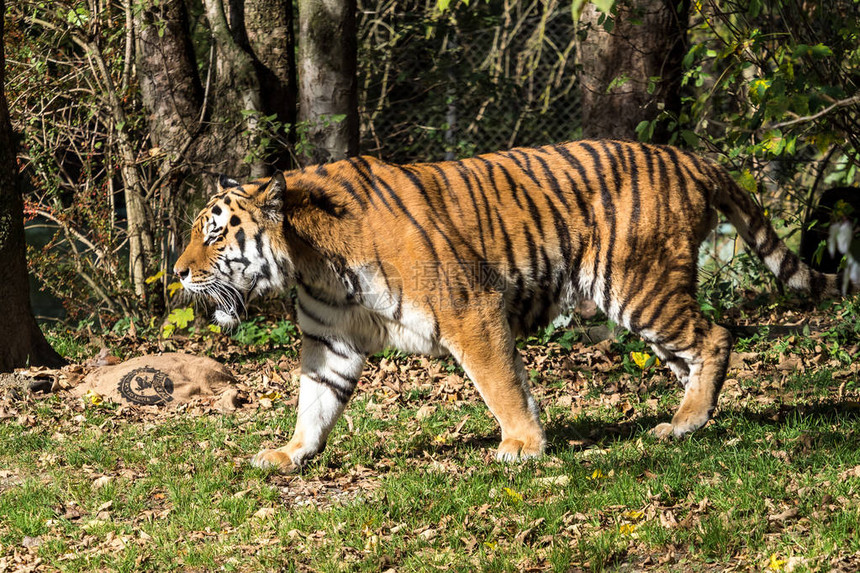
(460, 258)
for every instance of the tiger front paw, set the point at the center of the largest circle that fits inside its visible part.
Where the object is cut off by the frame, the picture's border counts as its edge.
(664, 431)
(274, 459)
(513, 450)
(679, 428)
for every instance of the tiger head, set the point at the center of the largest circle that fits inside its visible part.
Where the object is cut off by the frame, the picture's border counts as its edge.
(237, 248)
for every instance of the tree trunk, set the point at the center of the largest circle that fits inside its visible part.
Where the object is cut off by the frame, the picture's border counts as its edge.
(21, 341)
(237, 90)
(269, 25)
(327, 77)
(169, 83)
(641, 54)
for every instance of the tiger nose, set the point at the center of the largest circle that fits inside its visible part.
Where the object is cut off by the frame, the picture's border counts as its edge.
(182, 272)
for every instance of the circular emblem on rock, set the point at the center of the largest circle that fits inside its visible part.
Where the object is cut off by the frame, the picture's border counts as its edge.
(146, 386)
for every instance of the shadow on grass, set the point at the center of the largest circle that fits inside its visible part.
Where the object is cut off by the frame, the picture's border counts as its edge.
(565, 435)
(585, 432)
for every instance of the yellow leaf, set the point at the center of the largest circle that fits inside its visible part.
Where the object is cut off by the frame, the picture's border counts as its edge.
(173, 287)
(641, 359)
(155, 277)
(597, 474)
(513, 495)
(633, 515)
(273, 395)
(626, 529)
(93, 397)
(775, 563)
(214, 328)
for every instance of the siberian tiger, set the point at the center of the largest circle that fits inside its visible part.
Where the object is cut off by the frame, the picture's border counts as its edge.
(461, 257)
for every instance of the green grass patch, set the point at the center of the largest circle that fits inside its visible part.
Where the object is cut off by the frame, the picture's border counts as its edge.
(408, 480)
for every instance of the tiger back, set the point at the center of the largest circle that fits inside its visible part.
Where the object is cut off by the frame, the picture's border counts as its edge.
(462, 257)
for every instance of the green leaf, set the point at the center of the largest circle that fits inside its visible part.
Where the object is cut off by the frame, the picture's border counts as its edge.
(181, 317)
(653, 82)
(617, 82)
(576, 7)
(758, 89)
(821, 51)
(167, 330)
(690, 137)
(604, 6)
(754, 8)
(747, 181)
(645, 130)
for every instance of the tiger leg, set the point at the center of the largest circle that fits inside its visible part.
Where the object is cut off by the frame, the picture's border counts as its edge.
(485, 349)
(705, 348)
(677, 365)
(330, 372)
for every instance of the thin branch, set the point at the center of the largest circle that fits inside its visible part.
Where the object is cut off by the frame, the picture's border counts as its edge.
(841, 103)
(77, 234)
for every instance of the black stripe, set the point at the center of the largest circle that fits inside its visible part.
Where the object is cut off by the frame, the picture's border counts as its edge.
(490, 167)
(463, 173)
(660, 306)
(456, 198)
(442, 232)
(348, 187)
(369, 179)
(580, 201)
(412, 219)
(683, 182)
(314, 317)
(789, 265)
(511, 184)
(535, 213)
(480, 182)
(342, 394)
(635, 192)
(328, 343)
(562, 231)
(612, 157)
(573, 161)
(524, 168)
(770, 244)
(553, 182)
(609, 212)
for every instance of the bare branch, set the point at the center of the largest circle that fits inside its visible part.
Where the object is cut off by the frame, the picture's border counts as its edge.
(806, 118)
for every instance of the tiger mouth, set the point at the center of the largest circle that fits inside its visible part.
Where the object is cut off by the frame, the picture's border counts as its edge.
(229, 302)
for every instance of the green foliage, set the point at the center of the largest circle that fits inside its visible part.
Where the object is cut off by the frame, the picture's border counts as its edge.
(271, 135)
(604, 6)
(68, 154)
(257, 332)
(775, 79)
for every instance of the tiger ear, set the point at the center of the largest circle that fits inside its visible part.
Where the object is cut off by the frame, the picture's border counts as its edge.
(225, 183)
(271, 197)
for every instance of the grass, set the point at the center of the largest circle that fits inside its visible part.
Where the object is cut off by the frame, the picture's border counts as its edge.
(408, 481)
